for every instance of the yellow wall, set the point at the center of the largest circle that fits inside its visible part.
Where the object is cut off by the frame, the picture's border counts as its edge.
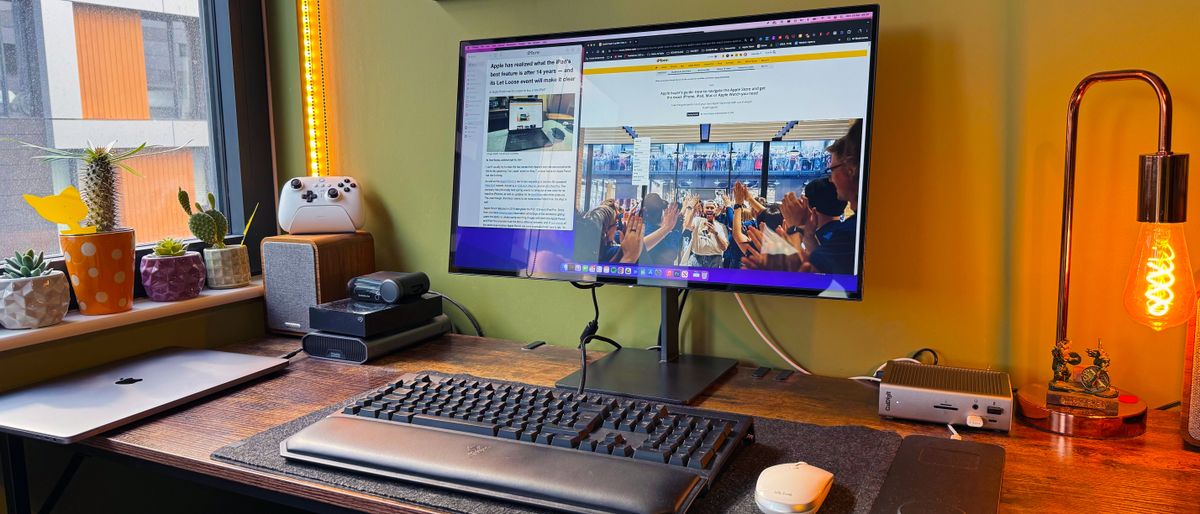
(962, 229)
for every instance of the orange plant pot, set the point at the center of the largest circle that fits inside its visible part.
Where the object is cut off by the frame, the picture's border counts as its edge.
(100, 269)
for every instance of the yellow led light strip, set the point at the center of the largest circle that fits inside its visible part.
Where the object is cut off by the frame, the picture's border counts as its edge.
(312, 60)
(691, 65)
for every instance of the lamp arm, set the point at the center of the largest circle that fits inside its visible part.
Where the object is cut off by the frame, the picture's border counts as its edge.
(1164, 148)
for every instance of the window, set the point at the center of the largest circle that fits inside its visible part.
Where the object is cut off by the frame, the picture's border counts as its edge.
(175, 76)
(147, 74)
(124, 75)
(18, 93)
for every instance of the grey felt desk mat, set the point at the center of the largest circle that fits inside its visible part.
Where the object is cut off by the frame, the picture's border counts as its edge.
(857, 456)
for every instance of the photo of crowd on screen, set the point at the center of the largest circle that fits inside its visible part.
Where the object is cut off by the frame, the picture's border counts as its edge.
(708, 205)
(546, 122)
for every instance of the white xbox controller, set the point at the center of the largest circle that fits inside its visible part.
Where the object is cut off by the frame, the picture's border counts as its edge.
(320, 205)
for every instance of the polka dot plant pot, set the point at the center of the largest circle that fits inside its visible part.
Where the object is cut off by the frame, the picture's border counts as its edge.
(100, 269)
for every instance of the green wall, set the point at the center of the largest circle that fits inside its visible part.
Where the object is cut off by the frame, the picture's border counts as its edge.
(962, 227)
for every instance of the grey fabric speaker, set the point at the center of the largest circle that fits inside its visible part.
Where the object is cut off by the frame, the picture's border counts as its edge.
(1190, 417)
(302, 271)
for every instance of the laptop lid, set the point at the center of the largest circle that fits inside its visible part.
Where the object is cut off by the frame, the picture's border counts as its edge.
(80, 405)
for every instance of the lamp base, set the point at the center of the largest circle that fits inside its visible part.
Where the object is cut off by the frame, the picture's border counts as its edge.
(1129, 420)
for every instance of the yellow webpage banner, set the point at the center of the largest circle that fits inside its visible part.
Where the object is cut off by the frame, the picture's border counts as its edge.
(743, 61)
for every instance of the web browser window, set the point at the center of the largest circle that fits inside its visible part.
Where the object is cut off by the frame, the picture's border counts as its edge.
(701, 119)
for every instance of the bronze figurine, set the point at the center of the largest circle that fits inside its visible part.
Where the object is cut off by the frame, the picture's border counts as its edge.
(1094, 378)
(1064, 358)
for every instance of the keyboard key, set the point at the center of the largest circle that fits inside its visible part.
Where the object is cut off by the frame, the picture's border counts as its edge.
(678, 459)
(455, 424)
(588, 423)
(644, 427)
(509, 433)
(564, 441)
(369, 411)
(715, 439)
(652, 454)
(564, 431)
(701, 459)
(623, 450)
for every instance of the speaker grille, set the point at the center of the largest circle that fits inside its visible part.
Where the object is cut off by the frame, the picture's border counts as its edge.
(946, 378)
(328, 346)
(1192, 376)
(290, 279)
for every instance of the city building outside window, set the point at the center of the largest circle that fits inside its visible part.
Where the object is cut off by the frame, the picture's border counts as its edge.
(92, 71)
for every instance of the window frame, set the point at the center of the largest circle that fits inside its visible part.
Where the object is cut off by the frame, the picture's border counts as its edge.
(234, 39)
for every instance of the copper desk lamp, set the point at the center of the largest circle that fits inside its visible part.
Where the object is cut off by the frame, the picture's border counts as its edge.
(1159, 290)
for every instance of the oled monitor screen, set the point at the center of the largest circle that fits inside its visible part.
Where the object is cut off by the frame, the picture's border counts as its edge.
(725, 154)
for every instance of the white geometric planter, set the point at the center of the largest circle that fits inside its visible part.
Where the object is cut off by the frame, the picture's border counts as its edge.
(34, 302)
(227, 267)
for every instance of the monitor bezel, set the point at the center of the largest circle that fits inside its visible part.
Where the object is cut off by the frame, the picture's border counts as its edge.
(864, 174)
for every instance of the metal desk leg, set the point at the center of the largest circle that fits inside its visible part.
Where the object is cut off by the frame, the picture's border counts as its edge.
(16, 481)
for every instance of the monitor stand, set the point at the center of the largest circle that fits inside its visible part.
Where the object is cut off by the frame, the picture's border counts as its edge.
(661, 375)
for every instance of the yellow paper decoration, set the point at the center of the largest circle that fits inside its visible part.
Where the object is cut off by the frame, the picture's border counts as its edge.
(65, 208)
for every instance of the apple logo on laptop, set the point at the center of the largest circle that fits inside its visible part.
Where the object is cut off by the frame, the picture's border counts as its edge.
(128, 381)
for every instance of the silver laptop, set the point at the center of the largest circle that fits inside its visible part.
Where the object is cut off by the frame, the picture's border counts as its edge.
(83, 404)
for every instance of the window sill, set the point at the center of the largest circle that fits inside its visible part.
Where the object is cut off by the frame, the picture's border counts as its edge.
(143, 310)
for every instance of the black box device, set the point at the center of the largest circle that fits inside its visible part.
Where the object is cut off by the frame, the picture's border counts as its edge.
(366, 319)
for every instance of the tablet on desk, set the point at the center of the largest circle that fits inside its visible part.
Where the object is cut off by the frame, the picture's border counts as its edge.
(83, 404)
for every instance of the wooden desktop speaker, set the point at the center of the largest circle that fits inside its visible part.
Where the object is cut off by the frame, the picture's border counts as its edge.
(300, 271)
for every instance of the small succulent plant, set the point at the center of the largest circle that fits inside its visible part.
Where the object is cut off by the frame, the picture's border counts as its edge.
(208, 225)
(25, 265)
(169, 247)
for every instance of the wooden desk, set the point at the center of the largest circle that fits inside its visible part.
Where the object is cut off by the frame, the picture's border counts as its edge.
(1044, 472)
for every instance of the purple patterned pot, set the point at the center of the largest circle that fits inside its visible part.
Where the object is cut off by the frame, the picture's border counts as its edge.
(169, 279)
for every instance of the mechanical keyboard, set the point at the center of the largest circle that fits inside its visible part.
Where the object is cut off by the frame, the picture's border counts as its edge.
(536, 445)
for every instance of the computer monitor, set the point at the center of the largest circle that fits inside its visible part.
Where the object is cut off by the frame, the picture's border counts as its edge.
(740, 147)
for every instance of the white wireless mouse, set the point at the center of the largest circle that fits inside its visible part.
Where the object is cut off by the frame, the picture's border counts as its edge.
(791, 488)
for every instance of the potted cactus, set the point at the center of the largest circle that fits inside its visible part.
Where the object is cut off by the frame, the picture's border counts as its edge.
(228, 266)
(31, 295)
(172, 273)
(98, 253)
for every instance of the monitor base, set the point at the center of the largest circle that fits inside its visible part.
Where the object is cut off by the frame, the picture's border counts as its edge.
(641, 374)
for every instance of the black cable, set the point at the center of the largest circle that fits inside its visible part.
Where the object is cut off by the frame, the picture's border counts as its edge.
(589, 332)
(931, 351)
(1169, 406)
(292, 353)
(467, 313)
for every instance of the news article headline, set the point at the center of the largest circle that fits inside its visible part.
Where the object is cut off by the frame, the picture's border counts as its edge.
(532, 72)
(725, 92)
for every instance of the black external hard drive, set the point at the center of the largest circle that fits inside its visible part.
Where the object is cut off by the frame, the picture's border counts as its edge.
(935, 475)
(368, 319)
